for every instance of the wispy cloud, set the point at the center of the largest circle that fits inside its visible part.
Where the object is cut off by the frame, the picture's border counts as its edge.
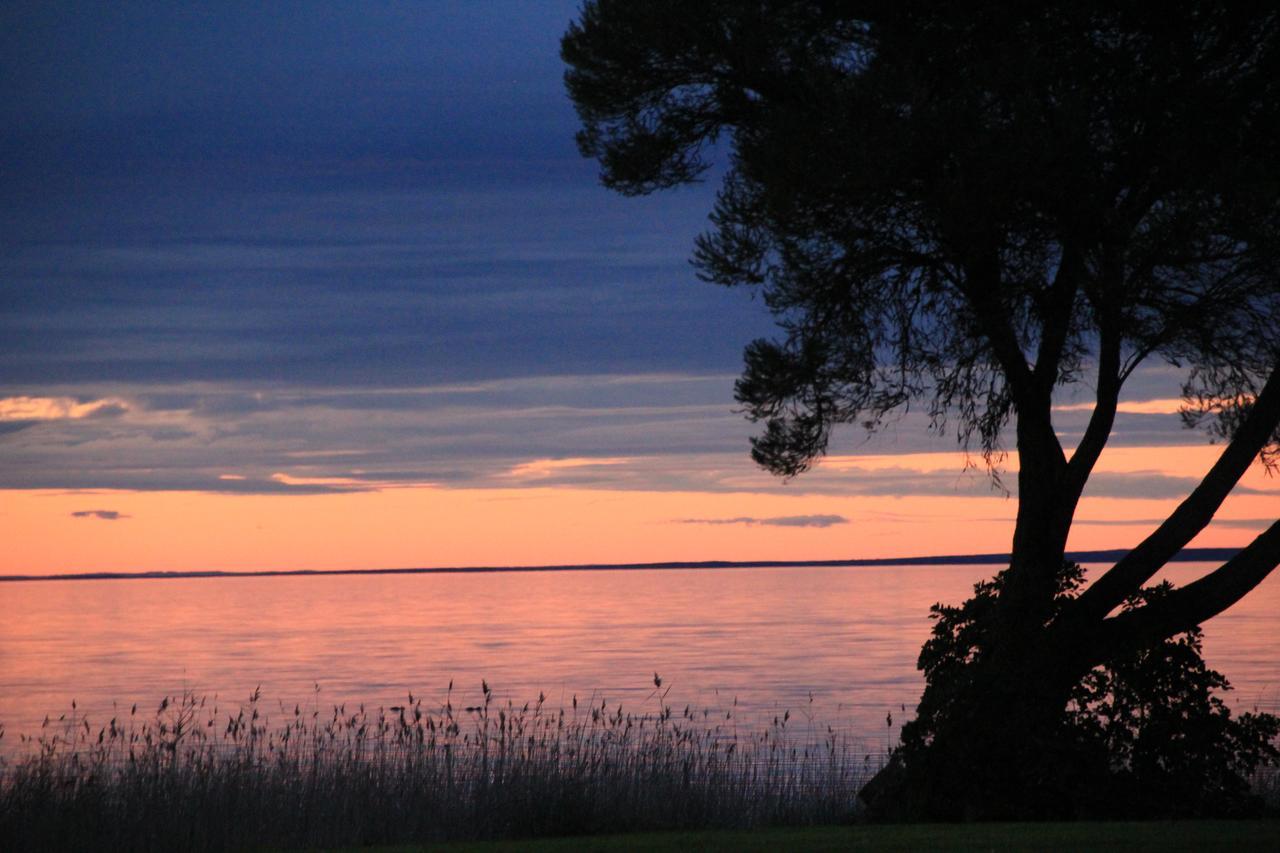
(542, 468)
(25, 408)
(645, 431)
(1245, 523)
(1150, 485)
(775, 521)
(103, 514)
(1229, 523)
(329, 482)
(1163, 406)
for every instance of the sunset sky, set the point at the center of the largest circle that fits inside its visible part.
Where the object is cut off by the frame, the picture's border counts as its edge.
(306, 286)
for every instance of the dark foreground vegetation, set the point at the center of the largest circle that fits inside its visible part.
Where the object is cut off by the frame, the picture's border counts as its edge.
(1144, 735)
(197, 777)
(1144, 837)
(194, 776)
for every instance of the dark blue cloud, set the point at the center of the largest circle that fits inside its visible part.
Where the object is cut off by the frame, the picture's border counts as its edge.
(373, 193)
(388, 288)
(127, 88)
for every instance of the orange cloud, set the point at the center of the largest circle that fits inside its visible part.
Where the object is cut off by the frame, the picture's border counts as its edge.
(1166, 406)
(539, 468)
(56, 408)
(290, 480)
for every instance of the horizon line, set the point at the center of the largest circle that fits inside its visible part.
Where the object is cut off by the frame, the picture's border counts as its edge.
(1096, 556)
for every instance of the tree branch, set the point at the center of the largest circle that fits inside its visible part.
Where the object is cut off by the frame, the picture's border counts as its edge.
(1188, 606)
(1191, 516)
(1103, 418)
(1056, 323)
(979, 284)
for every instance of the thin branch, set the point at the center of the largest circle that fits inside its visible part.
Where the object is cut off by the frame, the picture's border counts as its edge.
(1103, 418)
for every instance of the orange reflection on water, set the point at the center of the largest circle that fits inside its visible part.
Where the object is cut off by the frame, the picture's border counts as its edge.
(765, 637)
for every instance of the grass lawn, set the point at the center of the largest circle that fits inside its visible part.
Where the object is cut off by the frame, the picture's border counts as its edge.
(1234, 836)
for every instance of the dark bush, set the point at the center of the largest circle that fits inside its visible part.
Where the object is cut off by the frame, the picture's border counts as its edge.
(1142, 736)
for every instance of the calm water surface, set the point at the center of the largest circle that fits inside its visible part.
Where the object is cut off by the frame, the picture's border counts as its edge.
(767, 638)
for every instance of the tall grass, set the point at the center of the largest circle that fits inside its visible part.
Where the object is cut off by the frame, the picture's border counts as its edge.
(193, 776)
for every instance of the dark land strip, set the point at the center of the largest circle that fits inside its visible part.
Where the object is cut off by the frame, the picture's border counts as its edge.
(1109, 556)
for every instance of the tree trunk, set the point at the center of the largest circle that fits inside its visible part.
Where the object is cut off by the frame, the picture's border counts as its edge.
(994, 754)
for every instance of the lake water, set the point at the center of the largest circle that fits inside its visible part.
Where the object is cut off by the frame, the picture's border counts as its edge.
(769, 638)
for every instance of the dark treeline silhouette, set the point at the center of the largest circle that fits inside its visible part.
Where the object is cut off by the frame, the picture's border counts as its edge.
(964, 208)
(1186, 555)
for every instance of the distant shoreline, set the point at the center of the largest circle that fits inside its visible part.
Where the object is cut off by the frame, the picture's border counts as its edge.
(1184, 556)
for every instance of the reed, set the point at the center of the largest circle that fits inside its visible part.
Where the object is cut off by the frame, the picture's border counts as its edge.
(196, 776)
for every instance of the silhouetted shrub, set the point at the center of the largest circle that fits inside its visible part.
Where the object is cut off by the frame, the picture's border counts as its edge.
(1146, 735)
(1172, 743)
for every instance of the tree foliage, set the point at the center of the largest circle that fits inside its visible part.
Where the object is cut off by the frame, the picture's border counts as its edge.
(964, 207)
(954, 205)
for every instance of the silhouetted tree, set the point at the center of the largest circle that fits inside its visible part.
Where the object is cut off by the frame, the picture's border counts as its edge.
(965, 206)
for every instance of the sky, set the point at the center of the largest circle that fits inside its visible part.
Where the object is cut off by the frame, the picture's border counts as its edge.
(320, 285)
